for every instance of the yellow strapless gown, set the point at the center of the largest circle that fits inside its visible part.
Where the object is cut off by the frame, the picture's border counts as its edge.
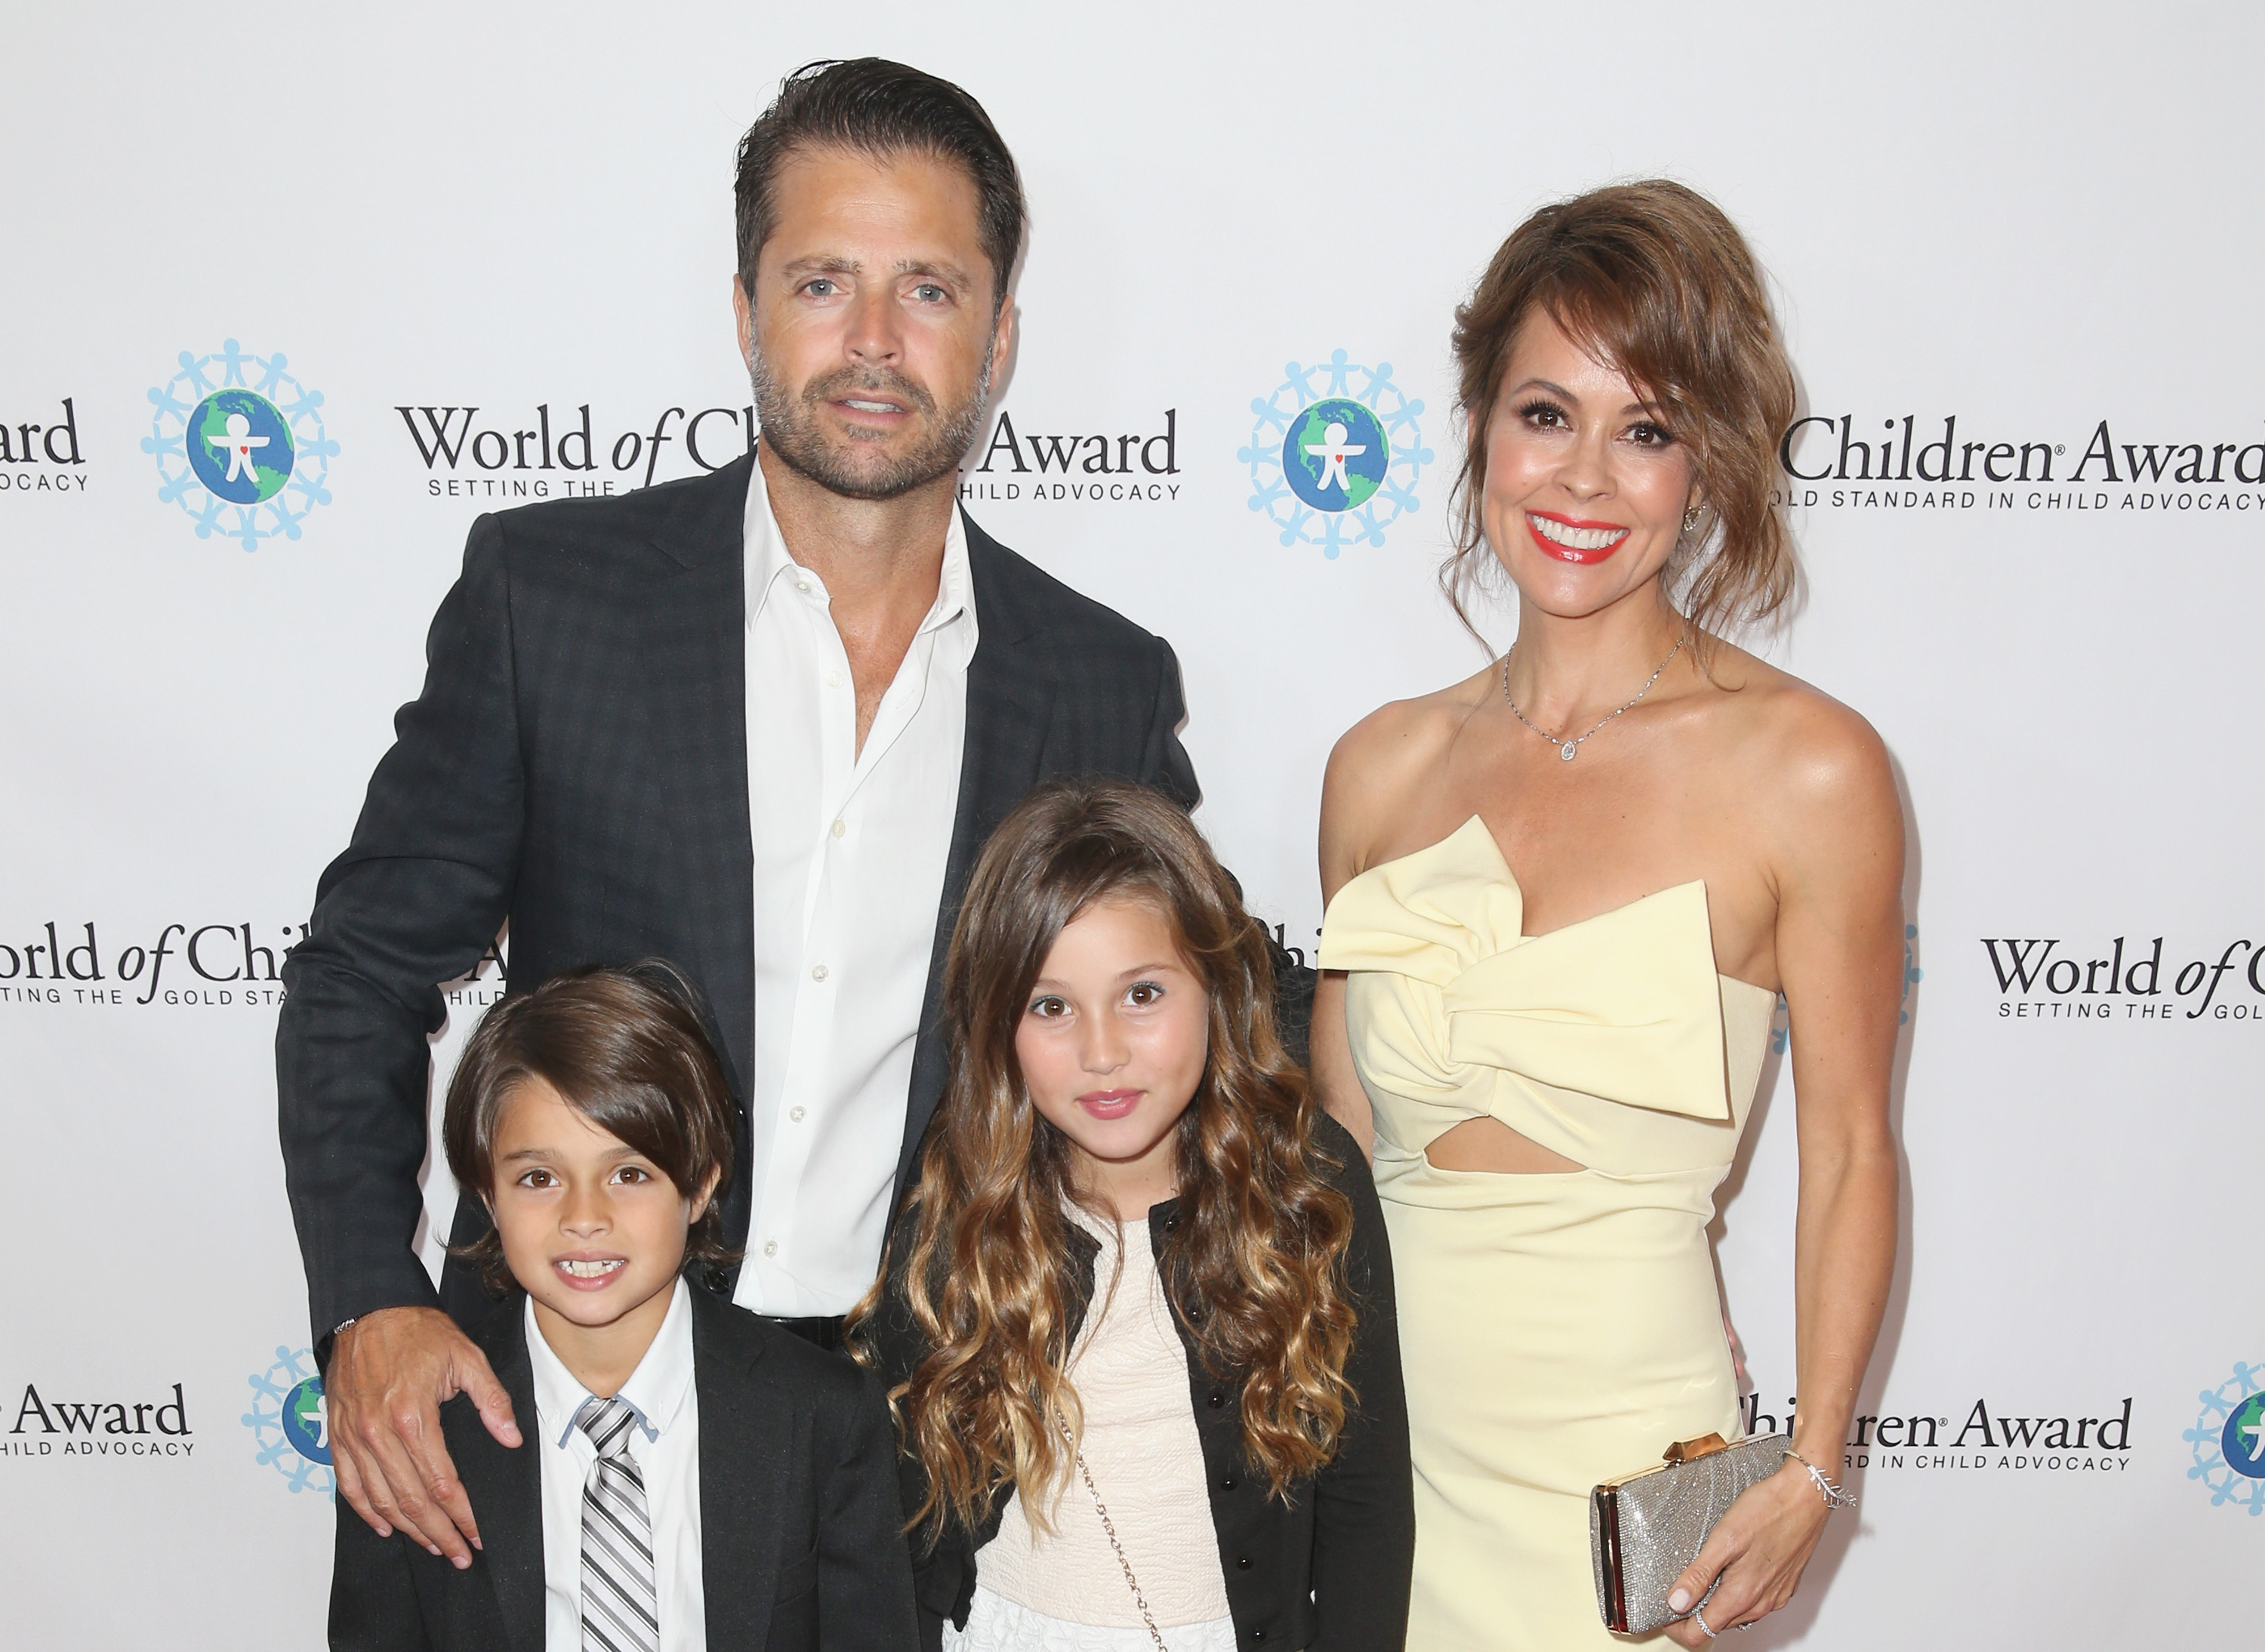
(1556, 1330)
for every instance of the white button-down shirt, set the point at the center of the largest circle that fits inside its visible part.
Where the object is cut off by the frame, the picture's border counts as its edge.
(665, 1442)
(850, 847)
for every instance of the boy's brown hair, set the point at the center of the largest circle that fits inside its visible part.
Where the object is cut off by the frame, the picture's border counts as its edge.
(624, 1048)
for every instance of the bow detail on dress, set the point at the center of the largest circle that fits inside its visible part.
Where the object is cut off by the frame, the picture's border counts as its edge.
(1625, 1006)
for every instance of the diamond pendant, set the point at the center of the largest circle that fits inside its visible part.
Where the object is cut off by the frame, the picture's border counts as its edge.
(1568, 750)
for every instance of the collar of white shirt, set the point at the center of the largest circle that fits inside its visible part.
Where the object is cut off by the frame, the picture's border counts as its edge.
(656, 1390)
(771, 566)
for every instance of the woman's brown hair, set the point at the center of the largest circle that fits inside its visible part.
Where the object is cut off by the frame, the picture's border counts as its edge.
(1255, 1263)
(626, 1050)
(1655, 282)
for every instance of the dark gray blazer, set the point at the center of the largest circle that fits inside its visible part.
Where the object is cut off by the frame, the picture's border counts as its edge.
(799, 1533)
(577, 764)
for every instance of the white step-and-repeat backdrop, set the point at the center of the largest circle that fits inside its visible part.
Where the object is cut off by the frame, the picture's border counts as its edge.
(476, 256)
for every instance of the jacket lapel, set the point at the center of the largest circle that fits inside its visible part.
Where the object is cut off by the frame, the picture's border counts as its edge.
(506, 1484)
(1009, 708)
(742, 1449)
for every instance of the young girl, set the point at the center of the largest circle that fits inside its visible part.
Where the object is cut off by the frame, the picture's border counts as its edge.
(1137, 1318)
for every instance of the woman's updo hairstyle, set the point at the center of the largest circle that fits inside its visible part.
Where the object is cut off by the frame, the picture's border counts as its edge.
(1653, 281)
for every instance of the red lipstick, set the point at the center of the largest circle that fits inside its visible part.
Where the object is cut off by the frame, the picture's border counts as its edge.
(1593, 541)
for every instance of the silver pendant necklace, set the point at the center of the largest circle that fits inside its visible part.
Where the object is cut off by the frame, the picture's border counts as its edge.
(1567, 749)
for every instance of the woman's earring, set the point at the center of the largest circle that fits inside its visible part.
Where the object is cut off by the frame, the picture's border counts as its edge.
(1691, 517)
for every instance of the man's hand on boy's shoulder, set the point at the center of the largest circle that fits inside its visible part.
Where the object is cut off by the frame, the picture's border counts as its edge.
(389, 1373)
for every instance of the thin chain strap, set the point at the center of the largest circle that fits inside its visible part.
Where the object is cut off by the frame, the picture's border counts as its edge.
(1109, 1527)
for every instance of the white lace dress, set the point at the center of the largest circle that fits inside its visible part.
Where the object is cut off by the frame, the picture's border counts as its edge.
(1063, 1591)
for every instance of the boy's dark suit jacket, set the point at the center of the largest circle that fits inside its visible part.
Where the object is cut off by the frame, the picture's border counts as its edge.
(577, 764)
(801, 1543)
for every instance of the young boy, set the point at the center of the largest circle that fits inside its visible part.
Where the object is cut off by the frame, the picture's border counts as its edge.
(695, 1478)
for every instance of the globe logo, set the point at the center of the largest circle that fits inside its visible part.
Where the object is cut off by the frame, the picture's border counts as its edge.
(1336, 456)
(239, 446)
(1334, 453)
(289, 1420)
(2243, 1441)
(306, 1422)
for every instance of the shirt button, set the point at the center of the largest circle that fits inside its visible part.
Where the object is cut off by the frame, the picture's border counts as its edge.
(834, 680)
(795, 1113)
(1217, 1400)
(818, 972)
(840, 828)
(1228, 1484)
(770, 1246)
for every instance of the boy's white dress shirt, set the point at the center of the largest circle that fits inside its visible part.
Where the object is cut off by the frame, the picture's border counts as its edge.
(665, 1442)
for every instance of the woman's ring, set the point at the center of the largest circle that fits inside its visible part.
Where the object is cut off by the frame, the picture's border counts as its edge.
(1700, 1617)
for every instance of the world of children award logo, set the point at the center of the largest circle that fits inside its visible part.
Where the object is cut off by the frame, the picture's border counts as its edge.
(2229, 1440)
(291, 1423)
(1334, 453)
(240, 445)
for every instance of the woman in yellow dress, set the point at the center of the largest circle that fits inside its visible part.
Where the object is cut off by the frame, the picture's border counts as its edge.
(1563, 896)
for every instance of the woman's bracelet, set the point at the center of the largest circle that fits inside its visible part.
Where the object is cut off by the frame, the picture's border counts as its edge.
(1834, 1497)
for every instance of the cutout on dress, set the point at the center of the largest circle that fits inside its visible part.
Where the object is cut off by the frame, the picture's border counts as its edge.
(1487, 1144)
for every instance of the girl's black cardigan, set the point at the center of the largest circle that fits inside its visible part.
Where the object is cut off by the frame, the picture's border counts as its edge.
(1325, 1569)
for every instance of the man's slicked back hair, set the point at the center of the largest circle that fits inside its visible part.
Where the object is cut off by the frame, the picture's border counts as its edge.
(874, 107)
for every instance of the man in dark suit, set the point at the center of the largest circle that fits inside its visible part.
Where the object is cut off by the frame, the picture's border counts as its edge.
(759, 724)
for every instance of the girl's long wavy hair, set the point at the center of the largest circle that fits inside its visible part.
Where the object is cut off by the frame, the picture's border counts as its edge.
(1254, 1265)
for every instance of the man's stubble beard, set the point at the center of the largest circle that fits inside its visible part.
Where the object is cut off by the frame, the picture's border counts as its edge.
(790, 429)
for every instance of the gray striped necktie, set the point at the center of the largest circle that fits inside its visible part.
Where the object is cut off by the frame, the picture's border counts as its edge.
(621, 1608)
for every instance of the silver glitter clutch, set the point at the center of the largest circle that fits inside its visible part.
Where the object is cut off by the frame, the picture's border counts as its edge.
(1645, 1528)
